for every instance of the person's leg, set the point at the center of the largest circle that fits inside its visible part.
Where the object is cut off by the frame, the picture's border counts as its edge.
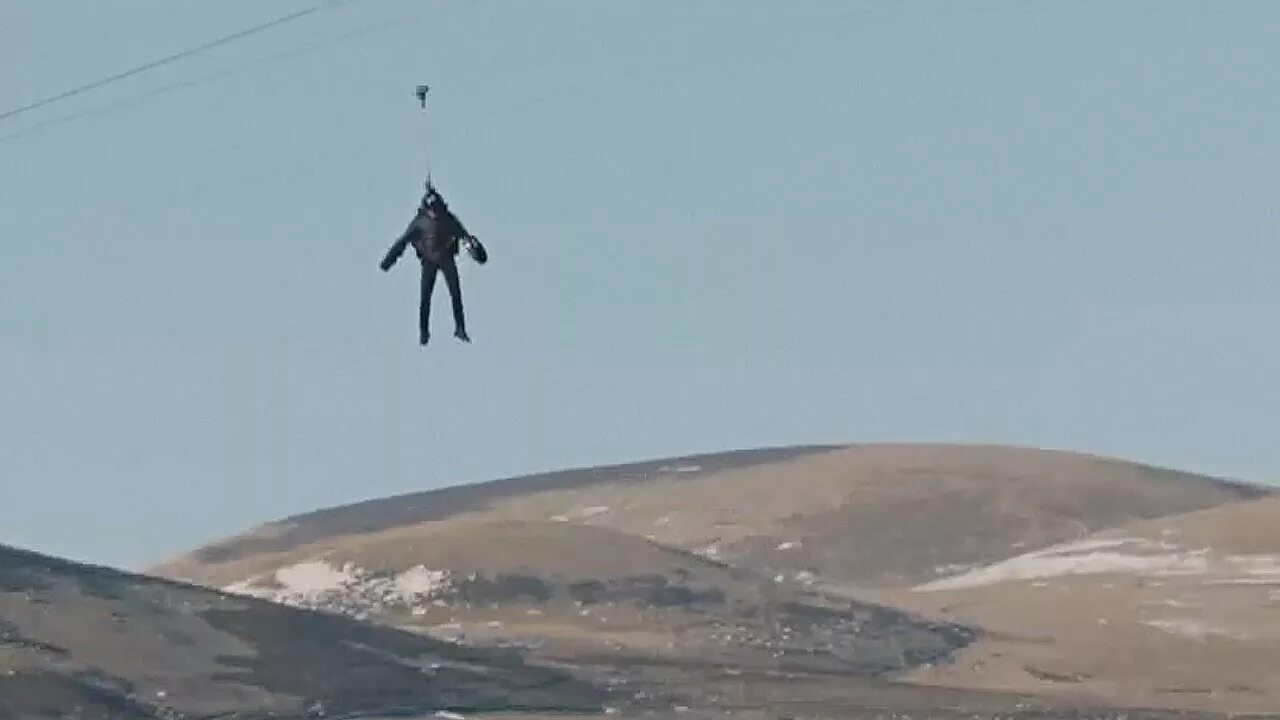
(455, 294)
(424, 304)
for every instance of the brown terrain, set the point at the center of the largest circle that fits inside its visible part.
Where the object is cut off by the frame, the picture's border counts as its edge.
(1180, 611)
(861, 581)
(92, 643)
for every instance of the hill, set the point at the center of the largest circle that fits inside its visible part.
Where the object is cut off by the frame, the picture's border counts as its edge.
(567, 592)
(1183, 610)
(850, 577)
(878, 515)
(95, 643)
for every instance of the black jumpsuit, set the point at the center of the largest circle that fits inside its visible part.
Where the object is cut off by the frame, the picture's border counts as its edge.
(434, 234)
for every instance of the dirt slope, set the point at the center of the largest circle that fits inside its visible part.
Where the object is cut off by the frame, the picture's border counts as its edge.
(1181, 611)
(565, 591)
(98, 643)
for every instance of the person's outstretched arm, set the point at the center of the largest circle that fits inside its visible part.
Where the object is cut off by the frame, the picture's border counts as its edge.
(396, 249)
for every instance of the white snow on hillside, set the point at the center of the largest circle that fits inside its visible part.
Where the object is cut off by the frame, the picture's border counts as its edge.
(348, 590)
(581, 514)
(1194, 630)
(1119, 555)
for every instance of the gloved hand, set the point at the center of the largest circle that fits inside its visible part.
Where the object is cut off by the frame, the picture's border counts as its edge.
(473, 247)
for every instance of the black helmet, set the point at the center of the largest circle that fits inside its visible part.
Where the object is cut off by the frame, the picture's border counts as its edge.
(432, 198)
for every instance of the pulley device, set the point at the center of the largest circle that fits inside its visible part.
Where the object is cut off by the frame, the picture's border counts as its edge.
(421, 93)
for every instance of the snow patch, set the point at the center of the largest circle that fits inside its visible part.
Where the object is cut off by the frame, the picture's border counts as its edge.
(1192, 629)
(680, 469)
(1192, 567)
(789, 545)
(1086, 557)
(1117, 555)
(1257, 565)
(1244, 581)
(1083, 546)
(312, 578)
(1249, 570)
(581, 513)
(349, 589)
(421, 581)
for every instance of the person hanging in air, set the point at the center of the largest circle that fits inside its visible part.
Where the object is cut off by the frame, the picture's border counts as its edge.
(436, 235)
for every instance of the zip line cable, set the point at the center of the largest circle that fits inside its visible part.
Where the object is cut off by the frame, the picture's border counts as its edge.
(142, 98)
(174, 57)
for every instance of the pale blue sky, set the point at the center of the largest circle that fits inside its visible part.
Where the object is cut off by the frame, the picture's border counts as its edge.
(713, 224)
